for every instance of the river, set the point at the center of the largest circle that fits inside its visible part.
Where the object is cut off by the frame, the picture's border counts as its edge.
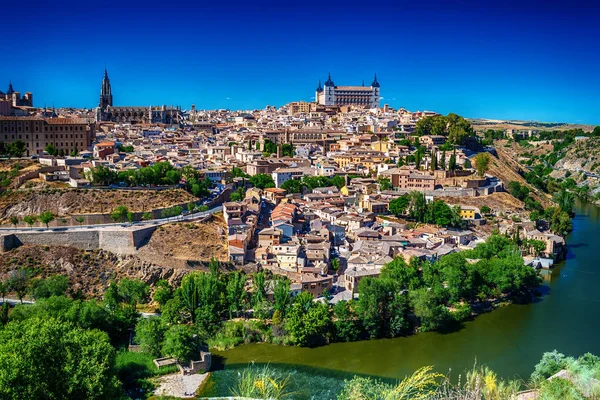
(510, 340)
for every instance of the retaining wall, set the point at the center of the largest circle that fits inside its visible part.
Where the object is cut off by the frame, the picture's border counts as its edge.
(118, 240)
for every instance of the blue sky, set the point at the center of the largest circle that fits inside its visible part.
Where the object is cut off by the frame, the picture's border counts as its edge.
(507, 59)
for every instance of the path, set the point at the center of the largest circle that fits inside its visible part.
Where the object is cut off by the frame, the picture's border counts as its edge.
(180, 386)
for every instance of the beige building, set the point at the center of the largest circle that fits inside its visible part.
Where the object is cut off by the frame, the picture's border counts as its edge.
(299, 107)
(65, 134)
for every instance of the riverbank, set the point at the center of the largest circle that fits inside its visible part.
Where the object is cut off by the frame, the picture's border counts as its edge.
(510, 340)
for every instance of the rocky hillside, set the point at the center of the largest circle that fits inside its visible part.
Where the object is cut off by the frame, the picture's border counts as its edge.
(507, 168)
(63, 202)
(583, 155)
(90, 272)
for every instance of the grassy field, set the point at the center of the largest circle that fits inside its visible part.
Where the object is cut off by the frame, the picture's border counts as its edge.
(135, 370)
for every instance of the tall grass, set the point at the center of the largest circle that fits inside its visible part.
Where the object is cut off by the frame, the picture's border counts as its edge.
(421, 385)
(261, 383)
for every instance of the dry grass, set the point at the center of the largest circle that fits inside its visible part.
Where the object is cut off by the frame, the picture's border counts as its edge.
(63, 202)
(182, 244)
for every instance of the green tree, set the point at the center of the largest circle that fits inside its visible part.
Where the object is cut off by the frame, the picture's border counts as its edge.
(235, 293)
(482, 163)
(238, 195)
(452, 162)
(379, 305)
(429, 309)
(63, 362)
(119, 214)
(146, 216)
(18, 282)
(163, 292)
(399, 205)
(46, 217)
(4, 313)
(130, 217)
(17, 148)
(180, 343)
(259, 288)
(14, 220)
(281, 295)
(51, 149)
(335, 264)
(79, 220)
(565, 200)
(433, 161)
(4, 288)
(150, 334)
(262, 181)
(560, 221)
(133, 291)
(550, 364)
(30, 220)
(293, 186)
(443, 160)
(384, 183)
(346, 324)
(485, 209)
(103, 175)
(418, 206)
(308, 322)
(56, 285)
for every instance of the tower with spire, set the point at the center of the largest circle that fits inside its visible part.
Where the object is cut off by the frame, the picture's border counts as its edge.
(106, 98)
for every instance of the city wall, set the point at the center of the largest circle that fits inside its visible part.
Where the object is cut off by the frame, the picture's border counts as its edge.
(119, 241)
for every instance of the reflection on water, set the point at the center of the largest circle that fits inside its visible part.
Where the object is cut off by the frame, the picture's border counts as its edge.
(510, 340)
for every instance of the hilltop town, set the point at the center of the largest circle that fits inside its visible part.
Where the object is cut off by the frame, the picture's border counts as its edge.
(309, 223)
(325, 193)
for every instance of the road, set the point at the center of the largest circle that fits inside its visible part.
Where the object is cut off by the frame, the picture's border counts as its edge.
(152, 222)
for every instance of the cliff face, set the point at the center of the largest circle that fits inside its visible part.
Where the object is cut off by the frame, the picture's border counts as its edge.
(88, 271)
(583, 155)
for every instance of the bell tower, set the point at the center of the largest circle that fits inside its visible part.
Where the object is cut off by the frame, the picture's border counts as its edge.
(106, 98)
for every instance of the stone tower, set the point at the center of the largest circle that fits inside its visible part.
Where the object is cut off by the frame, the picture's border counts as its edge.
(329, 92)
(106, 98)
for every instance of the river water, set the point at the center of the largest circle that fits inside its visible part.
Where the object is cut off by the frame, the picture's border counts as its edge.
(510, 340)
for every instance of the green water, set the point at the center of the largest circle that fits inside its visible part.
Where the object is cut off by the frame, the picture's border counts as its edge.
(510, 340)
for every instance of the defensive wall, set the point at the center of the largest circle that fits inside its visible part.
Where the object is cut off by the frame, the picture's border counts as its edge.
(117, 240)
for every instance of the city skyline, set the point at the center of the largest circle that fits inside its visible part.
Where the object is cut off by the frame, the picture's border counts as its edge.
(514, 61)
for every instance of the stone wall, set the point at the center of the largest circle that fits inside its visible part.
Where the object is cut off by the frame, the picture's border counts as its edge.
(85, 240)
(8, 242)
(118, 240)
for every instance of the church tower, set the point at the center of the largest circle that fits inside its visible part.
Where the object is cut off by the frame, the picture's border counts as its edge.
(106, 98)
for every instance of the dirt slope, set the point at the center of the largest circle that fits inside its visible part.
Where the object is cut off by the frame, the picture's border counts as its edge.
(187, 244)
(81, 201)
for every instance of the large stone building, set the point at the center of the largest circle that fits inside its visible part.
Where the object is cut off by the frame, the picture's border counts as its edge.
(142, 115)
(65, 134)
(15, 99)
(365, 96)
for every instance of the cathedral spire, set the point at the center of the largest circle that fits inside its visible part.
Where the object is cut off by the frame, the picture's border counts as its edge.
(10, 88)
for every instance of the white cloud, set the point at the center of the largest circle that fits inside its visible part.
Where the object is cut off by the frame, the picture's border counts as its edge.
(393, 98)
(227, 98)
(312, 97)
(381, 98)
